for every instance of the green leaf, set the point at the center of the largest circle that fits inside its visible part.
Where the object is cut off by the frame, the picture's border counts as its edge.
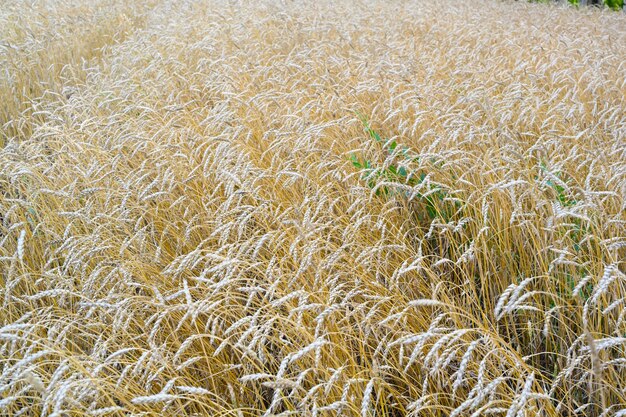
(615, 4)
(432, 212)
(374, 135)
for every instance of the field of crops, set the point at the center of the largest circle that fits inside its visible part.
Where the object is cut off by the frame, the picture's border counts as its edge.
(331, 208)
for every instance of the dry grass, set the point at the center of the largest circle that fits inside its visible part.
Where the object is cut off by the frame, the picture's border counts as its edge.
(183, 233)
(48, 46)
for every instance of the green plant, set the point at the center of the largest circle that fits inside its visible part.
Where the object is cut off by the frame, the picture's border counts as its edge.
(402, 174)
(556, 183)
(614, 4)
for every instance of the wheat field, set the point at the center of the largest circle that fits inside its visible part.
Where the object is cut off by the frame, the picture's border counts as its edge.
(331, 208)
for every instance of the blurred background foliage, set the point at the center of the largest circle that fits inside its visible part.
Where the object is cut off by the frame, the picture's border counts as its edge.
(613, 4)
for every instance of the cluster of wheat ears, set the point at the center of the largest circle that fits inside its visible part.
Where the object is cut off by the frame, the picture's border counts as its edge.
(330, 208)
